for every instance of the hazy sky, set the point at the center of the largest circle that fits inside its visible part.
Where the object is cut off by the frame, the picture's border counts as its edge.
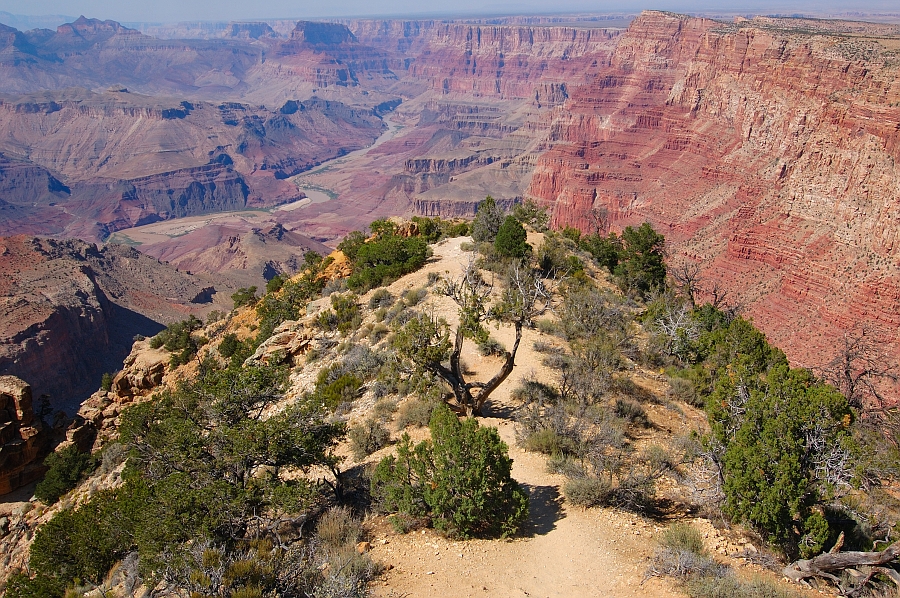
(216, 10)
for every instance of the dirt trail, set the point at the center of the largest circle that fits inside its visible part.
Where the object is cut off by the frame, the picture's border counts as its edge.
(564, 552)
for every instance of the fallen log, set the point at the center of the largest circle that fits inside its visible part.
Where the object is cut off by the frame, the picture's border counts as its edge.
(827, 564)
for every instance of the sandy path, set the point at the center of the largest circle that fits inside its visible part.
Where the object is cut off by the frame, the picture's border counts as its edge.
(565, 551)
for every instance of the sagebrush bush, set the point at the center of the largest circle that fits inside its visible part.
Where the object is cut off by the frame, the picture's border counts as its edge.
(587, 492)
(565, 465)
(684, 564)
(384, 409)
(632, 412)
(683, 536)
(413, 297)
(381, 298)
(731, 586)
(416, 413)
(548, 442)
(337, 527)
(491, 346)
(684, 390)
(368, 437)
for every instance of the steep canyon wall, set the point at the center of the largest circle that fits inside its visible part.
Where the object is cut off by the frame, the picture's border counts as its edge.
(768, 155)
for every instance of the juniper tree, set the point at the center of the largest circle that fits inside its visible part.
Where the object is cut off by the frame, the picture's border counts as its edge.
(425, 341)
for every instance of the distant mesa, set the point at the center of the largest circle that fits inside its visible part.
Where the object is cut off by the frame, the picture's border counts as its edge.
(94, 29)
(250, 31)
(322, 34)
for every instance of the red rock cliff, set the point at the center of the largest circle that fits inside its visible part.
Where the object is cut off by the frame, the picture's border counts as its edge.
(768, 155)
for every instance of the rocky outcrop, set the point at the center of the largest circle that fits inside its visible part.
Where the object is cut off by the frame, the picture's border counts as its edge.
(98, 417)
(765, 151)
(250, 31)
(289, 343)
(23, 440)
(243, 258)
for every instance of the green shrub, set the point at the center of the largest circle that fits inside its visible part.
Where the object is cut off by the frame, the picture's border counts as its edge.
(641, 266)
(229, 345)
(771, 479)
(403, 523)
(289, 303)
(344, 315)
(332, 392)
(81, 543)
(244, 296)
(21, 585)
(435, 229)
(179, 340)
(531, 214)
(275, 283)
(106, 381)
(65, 469)
(460, 478)
(383, 259)
(605, 250)
(367, 438)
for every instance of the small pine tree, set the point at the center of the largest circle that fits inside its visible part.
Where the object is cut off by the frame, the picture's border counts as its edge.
(65, 468)
(511, 239)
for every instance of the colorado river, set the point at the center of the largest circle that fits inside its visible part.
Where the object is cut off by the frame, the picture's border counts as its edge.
(316, 194)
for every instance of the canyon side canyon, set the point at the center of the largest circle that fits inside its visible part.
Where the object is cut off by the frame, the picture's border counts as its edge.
(765, 150)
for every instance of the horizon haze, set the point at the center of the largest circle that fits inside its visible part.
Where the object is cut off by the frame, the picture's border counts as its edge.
(166, 11)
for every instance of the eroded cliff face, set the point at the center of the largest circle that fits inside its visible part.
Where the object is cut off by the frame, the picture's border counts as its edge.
(766, 154)
(502, 61)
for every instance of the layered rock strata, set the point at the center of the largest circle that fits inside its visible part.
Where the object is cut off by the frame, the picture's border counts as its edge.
(765, 152)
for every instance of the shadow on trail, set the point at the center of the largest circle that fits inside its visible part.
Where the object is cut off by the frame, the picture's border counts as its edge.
(498, 410)
(545, 509)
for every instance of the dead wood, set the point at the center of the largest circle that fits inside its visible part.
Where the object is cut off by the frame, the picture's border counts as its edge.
(829, 564)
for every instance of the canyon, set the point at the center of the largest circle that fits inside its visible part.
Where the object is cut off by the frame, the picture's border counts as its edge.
(765, 150)
(71, 310)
